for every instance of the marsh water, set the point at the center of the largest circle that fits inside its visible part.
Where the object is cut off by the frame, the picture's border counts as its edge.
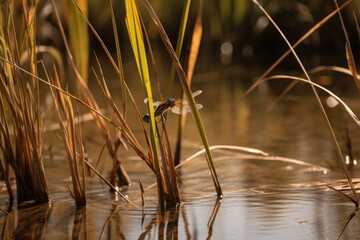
(264, 198)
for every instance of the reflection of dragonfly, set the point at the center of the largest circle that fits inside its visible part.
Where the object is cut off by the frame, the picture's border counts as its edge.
(179, 106)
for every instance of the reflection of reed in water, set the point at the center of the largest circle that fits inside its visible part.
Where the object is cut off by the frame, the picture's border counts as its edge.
(167, 223)
(32, 222)
(79, 223)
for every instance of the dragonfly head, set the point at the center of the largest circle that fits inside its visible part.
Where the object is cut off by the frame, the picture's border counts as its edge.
(170, 101)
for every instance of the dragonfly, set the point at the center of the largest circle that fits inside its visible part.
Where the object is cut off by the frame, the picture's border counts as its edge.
(179, 106)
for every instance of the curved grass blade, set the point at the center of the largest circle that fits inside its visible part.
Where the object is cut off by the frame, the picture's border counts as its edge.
(347, 109)
(322, 110)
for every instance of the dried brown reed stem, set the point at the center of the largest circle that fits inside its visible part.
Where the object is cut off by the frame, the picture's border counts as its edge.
(348, 51)
(7, 213)
(20, 117)
(142, 195)
(90, 100)
(126, 131)
(172, 195)
(73, 144)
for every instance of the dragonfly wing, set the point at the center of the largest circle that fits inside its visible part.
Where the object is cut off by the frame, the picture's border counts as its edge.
(155, 104)
(199, 106)
(198, 92)
(181, 110)
(184, 109)
(194, 94)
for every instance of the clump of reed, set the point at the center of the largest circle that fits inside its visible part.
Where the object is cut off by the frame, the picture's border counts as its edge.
(73, 144)
(159, 157)
(166, 166)
(20, 114)
(20, 107)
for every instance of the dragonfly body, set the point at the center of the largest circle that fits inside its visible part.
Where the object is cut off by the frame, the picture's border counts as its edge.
(164, 106)
(179, 106)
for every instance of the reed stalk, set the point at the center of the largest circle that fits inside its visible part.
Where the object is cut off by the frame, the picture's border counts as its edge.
(73, 144)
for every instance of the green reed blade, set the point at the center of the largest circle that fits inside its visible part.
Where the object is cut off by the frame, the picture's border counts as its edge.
(137, 42)
(194, 50)
(78, 34)
(179, 43)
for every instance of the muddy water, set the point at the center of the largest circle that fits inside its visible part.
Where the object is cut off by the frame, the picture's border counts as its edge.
(264, 198)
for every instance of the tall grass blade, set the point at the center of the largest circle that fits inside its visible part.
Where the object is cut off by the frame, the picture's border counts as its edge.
(331, 131)
(179, 43)
(188, 93)
(72, 145)
(168, 167)
(194, 50)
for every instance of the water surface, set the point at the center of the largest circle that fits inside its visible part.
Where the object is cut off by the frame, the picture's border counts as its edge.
(263, 198)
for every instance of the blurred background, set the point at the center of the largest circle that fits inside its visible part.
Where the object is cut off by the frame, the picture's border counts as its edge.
(234, 31)
(238, 28)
